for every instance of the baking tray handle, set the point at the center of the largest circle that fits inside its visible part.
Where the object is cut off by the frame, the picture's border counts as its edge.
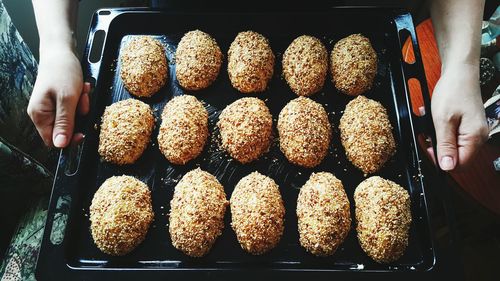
(424, 122)
(70, 157)
(91, 64)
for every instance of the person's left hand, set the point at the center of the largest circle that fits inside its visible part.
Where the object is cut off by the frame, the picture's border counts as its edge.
(58, 94)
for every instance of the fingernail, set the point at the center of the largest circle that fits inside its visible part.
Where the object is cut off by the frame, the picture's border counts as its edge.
(60, 140)
(447, 163)
(421, 110)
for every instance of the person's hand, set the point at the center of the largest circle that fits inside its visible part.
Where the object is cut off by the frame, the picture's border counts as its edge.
(58, 92)
(458, 116)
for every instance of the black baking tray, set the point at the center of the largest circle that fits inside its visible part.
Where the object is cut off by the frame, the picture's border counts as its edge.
(80, 171)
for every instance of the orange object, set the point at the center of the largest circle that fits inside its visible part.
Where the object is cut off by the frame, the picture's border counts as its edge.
(479, 180)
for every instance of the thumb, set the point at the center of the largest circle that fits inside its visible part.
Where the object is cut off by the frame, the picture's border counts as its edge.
(446, 137)
(64, 120)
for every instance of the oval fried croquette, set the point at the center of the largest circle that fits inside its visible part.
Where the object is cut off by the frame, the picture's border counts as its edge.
(353, 65)
(383, 218)
(126, 129)
(304, 132)
(366, 134)
(144, 68)
(183, 130)
(250, 62)
(198, 60)
(246, 127)
(323, 212)
(120, 215)
(197, 213)
(257, 213)
(305, 65)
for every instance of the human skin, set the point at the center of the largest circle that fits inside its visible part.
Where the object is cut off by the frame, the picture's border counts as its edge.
(59, 91)
(457, 108)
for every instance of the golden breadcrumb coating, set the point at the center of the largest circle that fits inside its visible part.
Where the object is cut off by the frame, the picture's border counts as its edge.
(324, 215)
(183, 130)
(197, 213)
(198, 59)
(257, 213)
(305, 65)
(246, 127)
(366, 134)
(250, 62)
(120, 215)
(304, 132)
(144, 68)
(353, 65)
(126, 129)
(383, 218)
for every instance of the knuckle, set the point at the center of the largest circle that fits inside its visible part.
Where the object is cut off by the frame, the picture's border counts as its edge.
(30, 111)
(447, 145)
(46, 139)
(62, 121)
(68, 92)
(482, 134)
(445, 117)
(35, 115)
(477, 137)
(65, 96)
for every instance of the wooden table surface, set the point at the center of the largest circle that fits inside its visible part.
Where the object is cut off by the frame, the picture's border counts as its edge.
(479, 180)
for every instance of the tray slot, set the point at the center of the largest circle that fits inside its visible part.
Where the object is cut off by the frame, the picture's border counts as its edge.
(404, 53)
(73, 154)
(60, 219)
(97, 46)
(104, 13)
(415, 88)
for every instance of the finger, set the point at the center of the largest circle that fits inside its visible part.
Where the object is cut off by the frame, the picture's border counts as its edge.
(83, 104)
(421, 111)
(87, 87)
(45, 131)
(430, 153)
(426, 144)
(446, 137)
(42, 114)
(465, 156)
(64, 120)
(77, 139)
(468, 146)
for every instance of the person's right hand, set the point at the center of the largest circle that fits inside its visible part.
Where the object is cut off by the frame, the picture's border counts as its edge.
(458, 115)
(58, 92)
